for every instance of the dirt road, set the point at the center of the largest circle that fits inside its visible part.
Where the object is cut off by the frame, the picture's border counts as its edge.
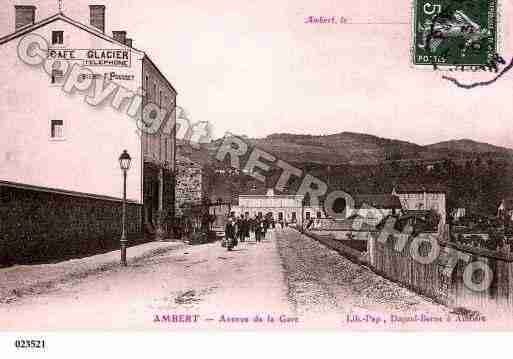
(288, 281)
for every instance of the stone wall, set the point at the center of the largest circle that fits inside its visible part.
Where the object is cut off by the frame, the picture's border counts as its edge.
(192, 184)
(37, 225)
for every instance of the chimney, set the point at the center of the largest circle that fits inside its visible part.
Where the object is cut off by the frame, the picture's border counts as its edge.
(97, 19)
(119, 36)
(25, 15)
(129, 42)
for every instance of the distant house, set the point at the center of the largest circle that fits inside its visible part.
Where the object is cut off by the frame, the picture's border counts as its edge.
(282, 207)
(458, 213)
(505, 209)
(290, 208)
(374, 207)
(423, 197)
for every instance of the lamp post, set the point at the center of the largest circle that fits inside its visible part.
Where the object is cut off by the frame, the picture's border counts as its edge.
(124, 163)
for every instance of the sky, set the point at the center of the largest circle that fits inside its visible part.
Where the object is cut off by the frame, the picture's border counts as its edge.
(256, 68)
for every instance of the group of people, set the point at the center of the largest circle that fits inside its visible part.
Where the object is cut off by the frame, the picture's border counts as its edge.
(243, 228)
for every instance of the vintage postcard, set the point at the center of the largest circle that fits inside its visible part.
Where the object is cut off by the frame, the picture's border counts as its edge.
(274, 165)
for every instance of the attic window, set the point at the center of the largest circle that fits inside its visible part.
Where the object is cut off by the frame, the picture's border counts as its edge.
(57, 37)
(57, 76)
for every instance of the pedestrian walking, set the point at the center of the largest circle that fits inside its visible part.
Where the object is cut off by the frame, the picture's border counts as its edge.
(265, 227)
(230, 233)
(273, 228)
(238, 222)
(258, 230)
(241, 231)
(254, 228)
(246, 225)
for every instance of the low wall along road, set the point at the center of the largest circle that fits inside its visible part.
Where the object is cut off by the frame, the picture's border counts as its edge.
(432, 279)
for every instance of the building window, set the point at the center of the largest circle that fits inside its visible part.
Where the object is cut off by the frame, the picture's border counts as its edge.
(147, 88)
(293, 216)
(160, 147)
(165, 149)
(57, 37)
(57, 76)
(319, 214)
(307, 215)
(57, 127)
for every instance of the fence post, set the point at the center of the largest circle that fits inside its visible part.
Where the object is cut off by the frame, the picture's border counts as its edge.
(371, 249)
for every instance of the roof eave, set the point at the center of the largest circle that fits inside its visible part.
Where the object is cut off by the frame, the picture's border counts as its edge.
(60, 16)
(160, 72)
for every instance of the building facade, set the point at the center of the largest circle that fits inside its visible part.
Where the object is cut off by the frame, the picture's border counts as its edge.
(288, 208)
(505, 209)
(62, 136)
(415, 197)
(375, 207)
(192, 184)
(159, 150)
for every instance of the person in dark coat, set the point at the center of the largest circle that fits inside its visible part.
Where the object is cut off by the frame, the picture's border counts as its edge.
(246, 225)
(258, 229)
(265, 227)
(253, 226)
(230, 233)
(241, 230)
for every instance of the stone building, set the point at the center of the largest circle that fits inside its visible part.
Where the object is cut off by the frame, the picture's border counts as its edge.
(60, 181)
(192, 184)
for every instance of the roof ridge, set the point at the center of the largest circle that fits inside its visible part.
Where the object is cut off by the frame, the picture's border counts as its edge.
(26, 27)
(61, 15)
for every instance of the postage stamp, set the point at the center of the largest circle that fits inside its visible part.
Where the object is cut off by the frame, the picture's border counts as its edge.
(454, 32)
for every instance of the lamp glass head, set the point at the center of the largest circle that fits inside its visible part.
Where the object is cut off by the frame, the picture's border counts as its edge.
(125, 160)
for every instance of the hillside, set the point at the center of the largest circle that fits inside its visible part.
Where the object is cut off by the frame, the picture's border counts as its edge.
(477, 175)
(351, 148)
(356, 148)
(469, 146)
(345, 147)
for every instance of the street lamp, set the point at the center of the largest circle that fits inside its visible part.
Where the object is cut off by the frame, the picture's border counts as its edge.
(124, 163)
